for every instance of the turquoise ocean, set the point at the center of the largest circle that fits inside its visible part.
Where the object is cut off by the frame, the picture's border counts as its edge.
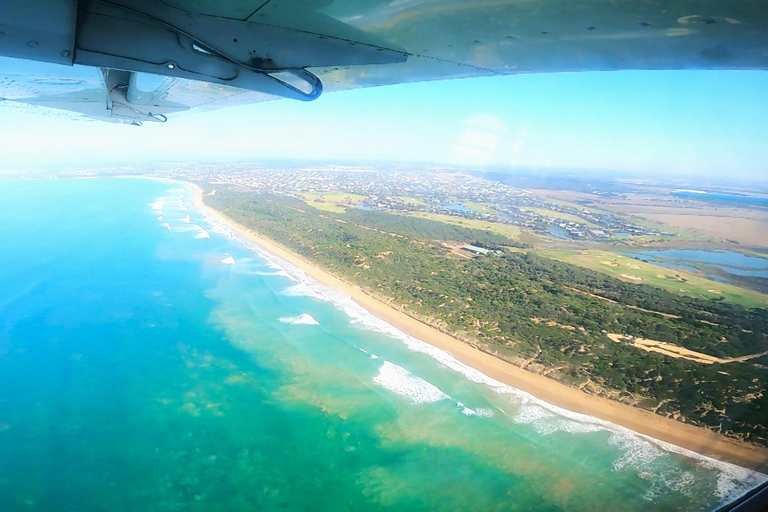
(152, 360)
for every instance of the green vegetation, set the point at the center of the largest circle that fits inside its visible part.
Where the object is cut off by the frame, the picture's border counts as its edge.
(674, 280)
(411, 200)
(335, 202)
(428, 229)
(496, 227)
(539, 313)
(480, 207)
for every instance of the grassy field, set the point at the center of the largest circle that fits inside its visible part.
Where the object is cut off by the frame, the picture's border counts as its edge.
(557, 215)
(336, 202)
(567, 198)
(496, 227)
(411, 200)
(750, 232)
(480, 207)
(680, 233)
(678, 281)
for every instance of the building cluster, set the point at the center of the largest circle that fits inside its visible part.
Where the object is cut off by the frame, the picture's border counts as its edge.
(414, 188)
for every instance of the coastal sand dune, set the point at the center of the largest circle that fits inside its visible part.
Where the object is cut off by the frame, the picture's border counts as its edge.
(697, 439)
(671, 350)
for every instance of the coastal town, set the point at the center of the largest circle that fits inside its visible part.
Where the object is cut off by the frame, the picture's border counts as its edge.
(412, 190)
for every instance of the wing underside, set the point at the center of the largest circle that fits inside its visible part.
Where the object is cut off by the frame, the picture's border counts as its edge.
(146, 60)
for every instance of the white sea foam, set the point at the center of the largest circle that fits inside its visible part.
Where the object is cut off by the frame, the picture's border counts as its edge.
(282, 273)
(532, 414)
(734, 482)
(301, 289)
(666, 480)
(372, 356)
(160, 218)
(645, 455)
(545, 421)
(158, 205)
(218, 228)
(637, 452)
(186, 219)
(303, 319)
(483, 413)
(202, 233)
(399, 380)
(639, 449)
(167, 225)
(229, 260)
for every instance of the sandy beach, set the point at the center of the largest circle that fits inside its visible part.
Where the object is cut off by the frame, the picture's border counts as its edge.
(693, 438)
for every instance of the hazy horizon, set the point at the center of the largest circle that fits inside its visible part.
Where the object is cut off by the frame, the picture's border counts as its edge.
(554, 174)
(642, 123)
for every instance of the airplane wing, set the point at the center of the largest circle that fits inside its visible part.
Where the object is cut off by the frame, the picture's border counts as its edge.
(137, 61)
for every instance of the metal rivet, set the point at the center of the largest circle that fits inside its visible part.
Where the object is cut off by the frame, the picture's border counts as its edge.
(171, 66)
(65, 53)
(32, 44)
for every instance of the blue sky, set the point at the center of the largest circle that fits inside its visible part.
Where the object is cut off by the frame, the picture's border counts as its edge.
(687, 122)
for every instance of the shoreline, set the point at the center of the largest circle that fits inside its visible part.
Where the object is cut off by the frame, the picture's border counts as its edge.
(696, 439)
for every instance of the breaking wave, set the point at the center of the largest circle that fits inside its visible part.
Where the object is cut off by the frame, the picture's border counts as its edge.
(282, 273)
(480, 411)
(399, 380)
(202, 233)
(302, 289)
(303, 319)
